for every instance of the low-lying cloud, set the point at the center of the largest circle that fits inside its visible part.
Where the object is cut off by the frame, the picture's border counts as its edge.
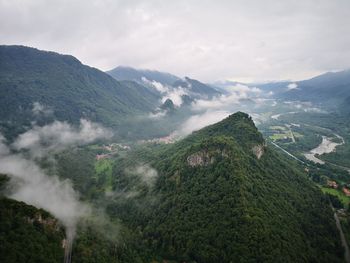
(173, 93)
(198, 121)
(292, 86)
(58, 136)
(145, 173)
(30, 184)
(40, 109)
(235, 95)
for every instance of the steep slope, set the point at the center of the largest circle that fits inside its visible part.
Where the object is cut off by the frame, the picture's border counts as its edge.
(138, 75)
(28, 234)
(34, 82)
(345, 106)
(226, 197)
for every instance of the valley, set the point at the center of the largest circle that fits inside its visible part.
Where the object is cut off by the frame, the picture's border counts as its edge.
(160, 168)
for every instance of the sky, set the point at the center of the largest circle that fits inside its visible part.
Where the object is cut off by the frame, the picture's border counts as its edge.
(249, 41)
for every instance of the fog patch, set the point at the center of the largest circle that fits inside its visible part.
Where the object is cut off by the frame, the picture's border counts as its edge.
(292, 86)
(57, 136)
(157, 85)
(173, 93)
(29, 183)
(235, 95)
(145, 173)
(40, 109)
(157, 115)
(197, 122)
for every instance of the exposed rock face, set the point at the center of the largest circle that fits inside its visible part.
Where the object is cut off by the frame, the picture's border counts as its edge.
(258, 150)
(49, 223)
(201, 158)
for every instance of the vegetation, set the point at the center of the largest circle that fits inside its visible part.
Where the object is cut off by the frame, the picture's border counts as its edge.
(65, 89)
(28, 234)
(231, 206)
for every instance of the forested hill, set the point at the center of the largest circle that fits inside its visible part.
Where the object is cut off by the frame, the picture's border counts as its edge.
(62, 88)
(224, 196)
(28, 234)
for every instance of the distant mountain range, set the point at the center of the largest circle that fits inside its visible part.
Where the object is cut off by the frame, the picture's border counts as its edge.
(42, 86)
(193, 88)
(139, 75)
(331, 90)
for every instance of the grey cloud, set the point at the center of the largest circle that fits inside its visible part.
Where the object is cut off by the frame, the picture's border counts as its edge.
(208, 40)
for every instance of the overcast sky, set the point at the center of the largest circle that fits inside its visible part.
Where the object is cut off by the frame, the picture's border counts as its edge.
(208, 40)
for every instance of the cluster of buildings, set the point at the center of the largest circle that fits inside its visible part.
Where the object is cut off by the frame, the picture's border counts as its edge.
(334, 185)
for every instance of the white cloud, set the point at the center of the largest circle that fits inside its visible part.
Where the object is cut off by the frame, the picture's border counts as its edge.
(31, 185)
(147, 174)
(196, 122)
(58, 136)
(157, 85)
(227, 101)
(292, 86)
(40, 109)
(175, 95)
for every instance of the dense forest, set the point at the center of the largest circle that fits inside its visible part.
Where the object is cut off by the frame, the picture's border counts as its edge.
(28, 234)
(214, 199)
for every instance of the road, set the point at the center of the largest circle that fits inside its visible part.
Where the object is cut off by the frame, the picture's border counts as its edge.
(342, 237)
(286, 152)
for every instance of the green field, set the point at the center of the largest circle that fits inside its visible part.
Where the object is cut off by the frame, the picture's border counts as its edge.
(104, 168)
(342, 197)
(278, 128)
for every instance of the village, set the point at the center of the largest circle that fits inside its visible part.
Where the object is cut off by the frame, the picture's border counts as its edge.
(111, 150)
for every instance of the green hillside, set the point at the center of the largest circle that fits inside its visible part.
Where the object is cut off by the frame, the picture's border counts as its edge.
(217, 201)
(64, 88)
(28, 234)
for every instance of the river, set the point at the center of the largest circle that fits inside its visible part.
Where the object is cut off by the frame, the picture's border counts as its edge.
(326, 146)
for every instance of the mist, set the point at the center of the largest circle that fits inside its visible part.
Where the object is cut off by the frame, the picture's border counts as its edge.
(57, 136)
(30, 184)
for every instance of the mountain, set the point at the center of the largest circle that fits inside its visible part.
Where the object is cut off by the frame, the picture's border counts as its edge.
(223, 195)
(193, 88)
(196, 88)
(138, 75)
(330, 89)
(55, 86)
(345, 106)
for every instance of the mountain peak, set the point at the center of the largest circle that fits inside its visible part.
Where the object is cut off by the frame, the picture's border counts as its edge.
(239, 126)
